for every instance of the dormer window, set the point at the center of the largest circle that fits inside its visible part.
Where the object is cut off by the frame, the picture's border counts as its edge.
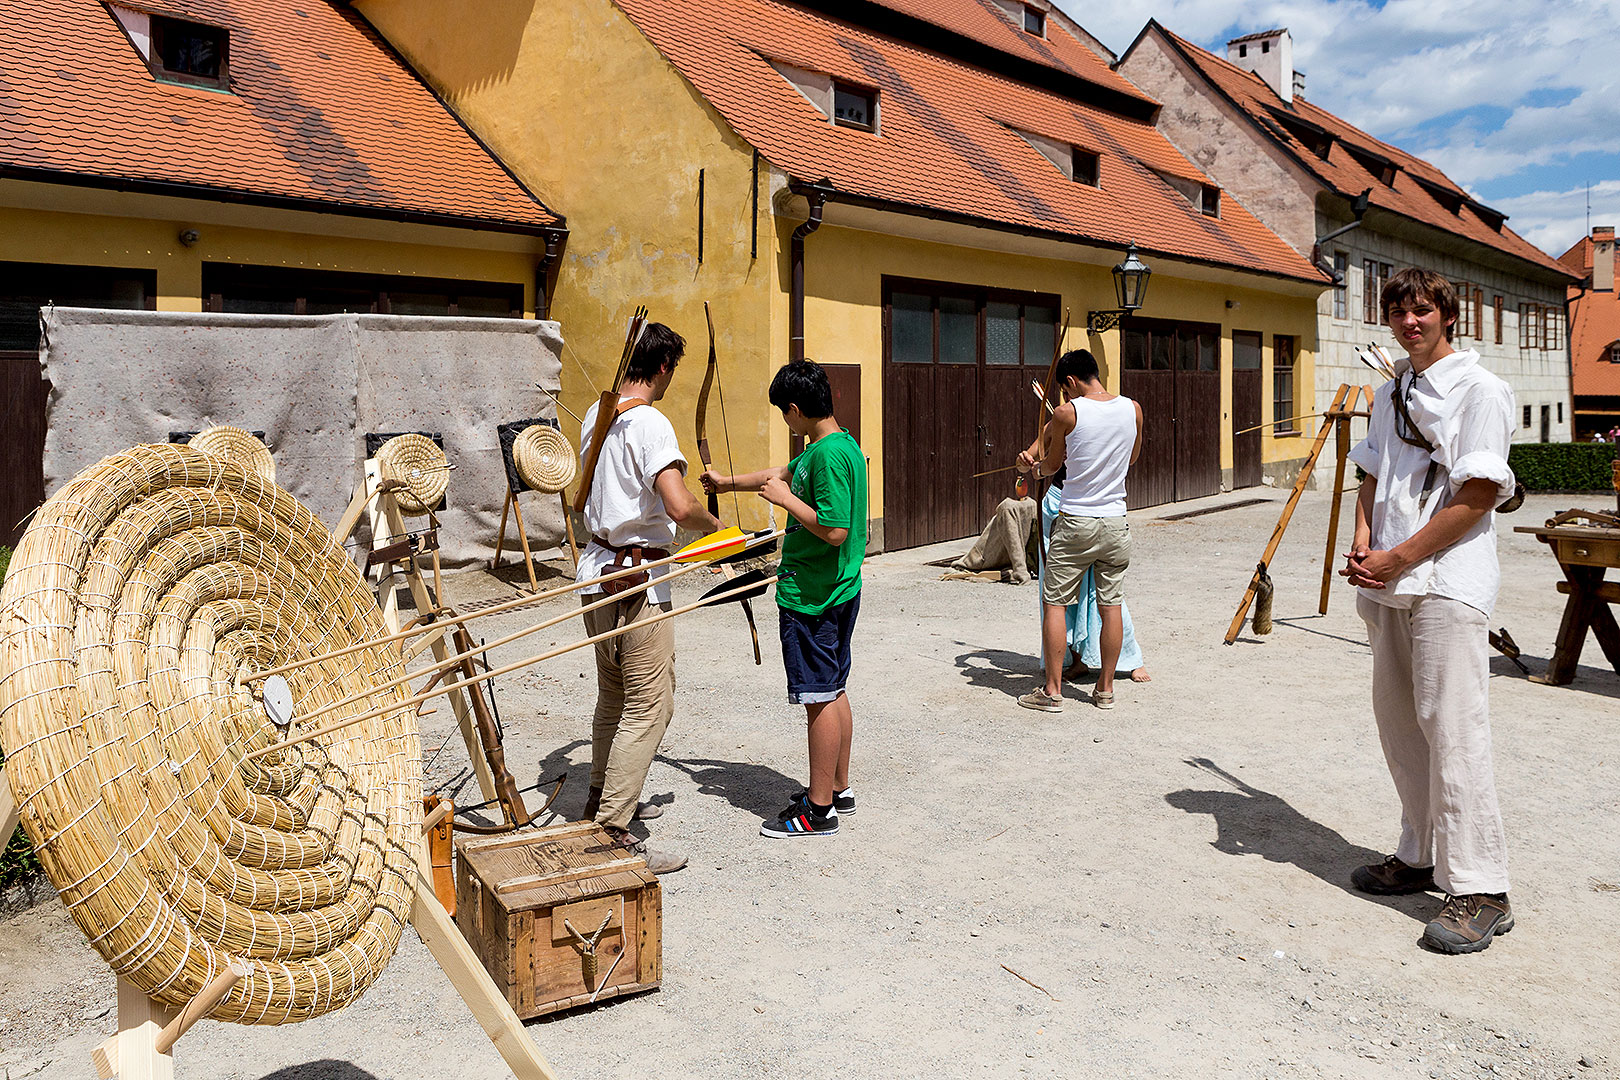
(179, 50)
(1211, 205)
(1087, 167)
(1205, 198)
(1376, 164)
(854, 106)
(1034, 21)
(1614, 352)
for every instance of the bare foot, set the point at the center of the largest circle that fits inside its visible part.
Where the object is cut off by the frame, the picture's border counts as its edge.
(1141, 675)
(1076, 671)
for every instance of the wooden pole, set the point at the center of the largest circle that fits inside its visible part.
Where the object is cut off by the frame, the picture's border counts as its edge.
(201, 1005)
(515, 665)
(9, 814)
(568, 526)
(132, 1054)
(500, 534)
(523, 539)
(1341, 432)
(1288, 512)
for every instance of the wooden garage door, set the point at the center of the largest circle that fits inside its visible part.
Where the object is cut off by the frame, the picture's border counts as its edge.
(1173, 371)
(1247, 402)
(958, 362)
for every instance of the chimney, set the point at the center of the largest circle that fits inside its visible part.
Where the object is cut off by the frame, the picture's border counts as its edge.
(1603, 258)
(1270, 55)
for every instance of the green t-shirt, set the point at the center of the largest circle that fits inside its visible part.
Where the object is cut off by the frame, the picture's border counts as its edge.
(830, 476)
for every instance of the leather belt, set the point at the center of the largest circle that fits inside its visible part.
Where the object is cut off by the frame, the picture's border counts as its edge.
(636, 554)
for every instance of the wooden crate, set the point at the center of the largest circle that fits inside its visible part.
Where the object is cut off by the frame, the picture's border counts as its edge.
(516, 896)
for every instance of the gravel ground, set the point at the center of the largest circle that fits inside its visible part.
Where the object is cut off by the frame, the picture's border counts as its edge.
(1153, 892)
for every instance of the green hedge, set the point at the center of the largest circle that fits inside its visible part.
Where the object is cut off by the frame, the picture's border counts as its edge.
(17, 862)
(1563, 466)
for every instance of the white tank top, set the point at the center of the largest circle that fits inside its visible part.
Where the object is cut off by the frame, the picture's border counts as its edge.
(1098, 457)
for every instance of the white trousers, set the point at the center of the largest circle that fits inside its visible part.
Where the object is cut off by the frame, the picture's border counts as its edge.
(1430, 698)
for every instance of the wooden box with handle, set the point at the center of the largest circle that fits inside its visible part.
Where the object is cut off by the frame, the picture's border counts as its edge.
(560, 916)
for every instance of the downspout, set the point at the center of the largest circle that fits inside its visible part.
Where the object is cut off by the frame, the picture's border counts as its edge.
(1358, 207)
(542, 273)
(817, 195)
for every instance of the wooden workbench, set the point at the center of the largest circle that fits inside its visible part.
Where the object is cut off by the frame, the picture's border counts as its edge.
(1585, 553)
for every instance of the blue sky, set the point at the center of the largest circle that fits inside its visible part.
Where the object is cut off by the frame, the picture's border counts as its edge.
(1517, 102)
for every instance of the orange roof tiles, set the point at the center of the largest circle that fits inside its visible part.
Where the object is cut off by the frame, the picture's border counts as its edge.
(947, 140)
(321, 113)
(1594, 326)
(1342, 173)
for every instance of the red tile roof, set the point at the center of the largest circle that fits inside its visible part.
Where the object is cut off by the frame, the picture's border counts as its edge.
(321, 114)
(1421, 191)
(947, 142)
(1594, 325)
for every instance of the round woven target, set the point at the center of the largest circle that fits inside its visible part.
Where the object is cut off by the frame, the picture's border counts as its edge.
(234, 444)
(418, 463)
(544, 459)
(139, 594)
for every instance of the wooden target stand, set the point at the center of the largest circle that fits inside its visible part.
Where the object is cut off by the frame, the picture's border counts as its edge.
(143, 1047)
(1335, 422)
(512, 506)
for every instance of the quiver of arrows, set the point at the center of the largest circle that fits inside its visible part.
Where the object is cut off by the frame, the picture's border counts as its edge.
(1262, 601)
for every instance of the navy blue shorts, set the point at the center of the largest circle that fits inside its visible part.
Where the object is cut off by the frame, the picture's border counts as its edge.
(815, 651)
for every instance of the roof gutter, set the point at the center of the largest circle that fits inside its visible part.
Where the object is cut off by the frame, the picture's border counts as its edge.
(816, 195)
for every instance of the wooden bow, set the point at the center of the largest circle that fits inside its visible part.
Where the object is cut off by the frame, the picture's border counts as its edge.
(707, 460)
(1040, 429)
(607, 409)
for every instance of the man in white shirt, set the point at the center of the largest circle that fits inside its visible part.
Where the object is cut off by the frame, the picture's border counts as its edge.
(1424, 562)
(637, 497)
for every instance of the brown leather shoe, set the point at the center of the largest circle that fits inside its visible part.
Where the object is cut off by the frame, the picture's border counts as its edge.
(1467, 923)
(659, 862)
(1392, 878)
(645, 811)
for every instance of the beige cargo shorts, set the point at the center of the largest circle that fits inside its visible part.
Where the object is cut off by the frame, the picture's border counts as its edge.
(1079, 544)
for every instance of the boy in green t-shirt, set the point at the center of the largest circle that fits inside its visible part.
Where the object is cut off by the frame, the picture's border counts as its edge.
(824, 491)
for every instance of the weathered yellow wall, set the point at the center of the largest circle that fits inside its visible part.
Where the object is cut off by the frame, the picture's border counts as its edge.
(151, 243)
(582, 108)
(844, 270)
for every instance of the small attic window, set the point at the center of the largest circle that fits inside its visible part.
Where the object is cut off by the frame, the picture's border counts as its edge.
(1034, 21)
(178, 50)
(1087, 167)
(854, 106)
(1211, 205)
(1243, 50)
(1265, 46)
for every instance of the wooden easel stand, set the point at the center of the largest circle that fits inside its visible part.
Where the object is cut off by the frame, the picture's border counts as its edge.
(1336, 419)
(511, 503)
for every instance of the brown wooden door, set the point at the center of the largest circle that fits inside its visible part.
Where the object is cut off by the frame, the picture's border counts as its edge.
(22, 441)
(1147, 379)
(1172, 370)
(958, 361)
(1198, 412)
(1248, 386)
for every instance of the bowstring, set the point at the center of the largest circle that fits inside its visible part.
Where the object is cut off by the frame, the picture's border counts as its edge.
(725, 433)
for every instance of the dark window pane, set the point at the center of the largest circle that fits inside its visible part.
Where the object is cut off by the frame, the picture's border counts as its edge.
(911, 328)
(1134, 350)
(855, 108)
(1035, 21)
(1040, 334)
(1000, 333)
(958, 330)
(1159, 351)
(1246, 349)
(1187, 351)
(241, 305)
(189, 48)
(484, 307)
(27, 287)
(418, 303)
(1209, 351)
(1087, 168)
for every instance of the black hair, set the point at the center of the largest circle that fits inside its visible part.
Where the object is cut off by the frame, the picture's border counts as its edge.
(659, 349)
(1078, 363)
(803, 383)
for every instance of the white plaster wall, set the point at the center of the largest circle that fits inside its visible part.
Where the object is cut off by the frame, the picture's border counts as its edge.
(1538, 377)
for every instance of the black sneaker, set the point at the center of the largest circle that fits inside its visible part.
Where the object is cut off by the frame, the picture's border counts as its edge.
(843, 802)
(800, 820)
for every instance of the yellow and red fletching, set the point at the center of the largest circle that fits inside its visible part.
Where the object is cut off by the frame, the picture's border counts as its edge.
(717, 545)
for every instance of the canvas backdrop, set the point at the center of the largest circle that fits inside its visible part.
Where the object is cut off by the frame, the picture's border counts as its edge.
(314, 385)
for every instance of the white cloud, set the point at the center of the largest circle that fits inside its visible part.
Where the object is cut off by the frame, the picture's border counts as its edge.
(1404, 71)
(1555, 220)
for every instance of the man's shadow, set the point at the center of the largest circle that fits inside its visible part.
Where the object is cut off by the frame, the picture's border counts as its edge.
(997, 669)
(758, 789)
(1249, 821)
(326, 1069)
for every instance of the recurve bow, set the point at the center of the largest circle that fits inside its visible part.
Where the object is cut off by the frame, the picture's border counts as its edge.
(1040, 430)
(707, 460)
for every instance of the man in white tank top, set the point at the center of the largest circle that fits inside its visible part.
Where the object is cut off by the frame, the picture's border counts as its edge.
(1095, 436)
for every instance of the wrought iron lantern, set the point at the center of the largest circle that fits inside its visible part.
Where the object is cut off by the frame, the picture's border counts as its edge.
(1130, 287)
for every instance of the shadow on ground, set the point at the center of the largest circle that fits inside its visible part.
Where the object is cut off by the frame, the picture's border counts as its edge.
(758, 789)
(1010, 673)
(325, 1069)
(1249, 821)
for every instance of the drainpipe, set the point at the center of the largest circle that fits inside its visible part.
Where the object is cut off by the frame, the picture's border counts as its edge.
(542, 273)
(1358, 207)
(817, 195)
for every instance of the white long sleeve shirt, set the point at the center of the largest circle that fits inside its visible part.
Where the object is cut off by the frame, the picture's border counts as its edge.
(1467, 414)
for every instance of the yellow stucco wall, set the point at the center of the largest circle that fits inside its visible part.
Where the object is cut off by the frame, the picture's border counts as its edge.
(150, 241)
(581, 107)
(844, 271)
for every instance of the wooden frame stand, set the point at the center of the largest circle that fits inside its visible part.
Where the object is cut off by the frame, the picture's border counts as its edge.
(511, 504)
(1335, 421)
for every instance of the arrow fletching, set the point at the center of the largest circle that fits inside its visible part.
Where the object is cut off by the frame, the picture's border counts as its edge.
(714, 546)
(745, 586)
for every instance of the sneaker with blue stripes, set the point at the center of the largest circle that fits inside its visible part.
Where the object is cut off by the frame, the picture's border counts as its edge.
(800, 820)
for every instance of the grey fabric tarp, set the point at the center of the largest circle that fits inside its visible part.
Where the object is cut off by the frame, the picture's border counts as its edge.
(315, 385)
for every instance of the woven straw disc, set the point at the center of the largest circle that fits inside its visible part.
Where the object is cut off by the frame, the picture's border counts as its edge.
(137, 596)
(544, 459)
(234, 444)
(418, 463)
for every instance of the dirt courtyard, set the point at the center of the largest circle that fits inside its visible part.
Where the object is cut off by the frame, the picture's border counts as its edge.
(1171, 877)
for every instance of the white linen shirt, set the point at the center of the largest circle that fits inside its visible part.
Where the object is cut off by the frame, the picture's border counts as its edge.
(1467, 414)
(624, 508)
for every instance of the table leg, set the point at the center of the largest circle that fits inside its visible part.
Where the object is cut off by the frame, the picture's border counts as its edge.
(1606, 630)
(1572, 630)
